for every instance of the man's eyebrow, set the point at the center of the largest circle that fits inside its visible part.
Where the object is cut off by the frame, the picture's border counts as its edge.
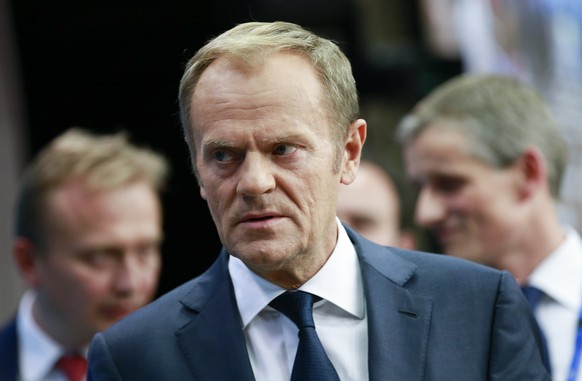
(216, 143)
(288, 137)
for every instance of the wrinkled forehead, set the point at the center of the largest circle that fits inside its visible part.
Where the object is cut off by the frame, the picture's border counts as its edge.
(284, 82)
(279, 67)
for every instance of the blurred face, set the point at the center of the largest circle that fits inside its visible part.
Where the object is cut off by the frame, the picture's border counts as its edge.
(370, 205)
(102, 259)
(265, 159)
(471, 207)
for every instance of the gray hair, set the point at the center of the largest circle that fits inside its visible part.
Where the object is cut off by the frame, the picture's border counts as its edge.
(499, 115)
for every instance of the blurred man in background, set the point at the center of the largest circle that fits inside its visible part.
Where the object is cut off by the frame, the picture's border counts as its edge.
(371, 205)
(88, 235)
(488, 159)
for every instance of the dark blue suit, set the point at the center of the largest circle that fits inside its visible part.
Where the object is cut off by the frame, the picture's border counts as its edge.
(8, 352)
(430, 317)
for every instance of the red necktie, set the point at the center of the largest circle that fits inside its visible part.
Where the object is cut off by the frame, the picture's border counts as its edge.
(73, 366)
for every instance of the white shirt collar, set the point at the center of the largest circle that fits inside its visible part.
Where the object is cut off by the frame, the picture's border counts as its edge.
(38, 352)
(560, 274)
(339, 281)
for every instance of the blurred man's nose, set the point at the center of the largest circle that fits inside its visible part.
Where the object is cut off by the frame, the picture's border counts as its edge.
(430, 209)
(127, 275)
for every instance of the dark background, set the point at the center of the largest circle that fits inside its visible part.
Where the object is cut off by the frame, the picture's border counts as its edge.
(115, 65)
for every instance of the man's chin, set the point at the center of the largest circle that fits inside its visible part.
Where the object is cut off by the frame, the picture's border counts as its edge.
(112, 315)
(105, 323)
(464, 252)
(454, 250)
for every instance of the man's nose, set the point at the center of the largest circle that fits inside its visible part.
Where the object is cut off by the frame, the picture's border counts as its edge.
(256, 176)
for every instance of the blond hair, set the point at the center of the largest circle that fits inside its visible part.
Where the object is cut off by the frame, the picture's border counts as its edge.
(102, 162)
(500, 117)
(252, 43)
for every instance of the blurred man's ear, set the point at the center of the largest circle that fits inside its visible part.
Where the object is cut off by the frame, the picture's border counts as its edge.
(26, 258)
(533, 173)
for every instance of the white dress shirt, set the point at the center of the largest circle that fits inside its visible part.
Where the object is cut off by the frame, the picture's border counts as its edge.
(37, 352)
(340, 317)
(559, 276)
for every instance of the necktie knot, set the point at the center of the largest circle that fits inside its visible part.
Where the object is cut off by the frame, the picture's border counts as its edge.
(73, 366)
(297, 306)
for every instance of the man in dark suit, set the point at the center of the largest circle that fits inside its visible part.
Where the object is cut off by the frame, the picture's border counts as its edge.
(270, 115)
(88, 232)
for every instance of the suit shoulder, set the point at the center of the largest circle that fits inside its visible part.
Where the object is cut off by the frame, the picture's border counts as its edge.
(425, 268)
(389, 256)
(428, 258)
(433, 262)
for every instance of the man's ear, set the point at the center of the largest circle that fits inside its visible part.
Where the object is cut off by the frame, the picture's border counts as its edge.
(533, 173)
(353, 150)
(25, 256)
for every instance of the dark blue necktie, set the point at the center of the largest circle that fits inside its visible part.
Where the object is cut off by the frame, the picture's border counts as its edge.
(533, 296)
(311, 361)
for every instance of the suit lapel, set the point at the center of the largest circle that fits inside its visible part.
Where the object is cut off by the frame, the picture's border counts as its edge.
(398, 319)
(212, 341)
(398, 326)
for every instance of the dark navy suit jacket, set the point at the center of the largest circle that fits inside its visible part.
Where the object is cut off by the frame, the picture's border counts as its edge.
(8, 352)
(430, 317)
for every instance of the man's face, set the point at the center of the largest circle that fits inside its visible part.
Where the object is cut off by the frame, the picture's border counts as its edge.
(472, 208)
(102, 258)
(265, 158)
(370, 205)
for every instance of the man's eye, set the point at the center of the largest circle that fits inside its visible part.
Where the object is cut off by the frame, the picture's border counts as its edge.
(449, 185)
(284, 149)
(222, 156)
(148, 250)
(97, 257)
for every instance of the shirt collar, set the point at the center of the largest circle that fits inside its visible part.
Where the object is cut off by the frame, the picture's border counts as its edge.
(339, 281)
(38, 352)
(560, 275)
